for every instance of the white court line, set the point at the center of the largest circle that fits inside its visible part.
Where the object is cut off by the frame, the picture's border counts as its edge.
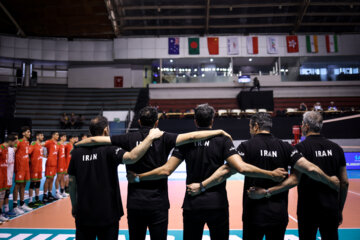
(294, 219)
(354, 193)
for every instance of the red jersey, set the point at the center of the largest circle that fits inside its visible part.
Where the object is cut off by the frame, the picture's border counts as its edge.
(3, 167)
(22, 155)
(68, 148)
(52, 151)
(36, 155)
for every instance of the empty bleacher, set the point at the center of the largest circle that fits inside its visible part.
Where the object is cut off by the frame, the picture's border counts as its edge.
(45, 104)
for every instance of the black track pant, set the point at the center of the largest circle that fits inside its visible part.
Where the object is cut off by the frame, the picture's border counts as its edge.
(256, 232)
(107, 232)
(155, 220)
(328, 227)
(216, 219)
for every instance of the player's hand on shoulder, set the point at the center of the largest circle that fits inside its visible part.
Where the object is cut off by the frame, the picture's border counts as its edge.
(131, 176)
(279, 174)
(193, 189)
(155, 133)
(256, 193)
(226, 134)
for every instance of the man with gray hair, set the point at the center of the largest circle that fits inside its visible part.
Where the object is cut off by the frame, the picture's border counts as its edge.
(319, 206)
(266, 213)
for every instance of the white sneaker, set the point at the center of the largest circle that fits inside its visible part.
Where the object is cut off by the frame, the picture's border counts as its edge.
(1, 222)
(3, 218)
(58, 196)
(25, 208)
(18, 211)
(64, 195)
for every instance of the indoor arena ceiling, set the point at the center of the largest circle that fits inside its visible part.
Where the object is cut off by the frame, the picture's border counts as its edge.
(116, 18)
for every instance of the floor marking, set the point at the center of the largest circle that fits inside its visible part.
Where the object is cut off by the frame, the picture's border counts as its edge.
(354, 193)
(33, 210)
(294, 219)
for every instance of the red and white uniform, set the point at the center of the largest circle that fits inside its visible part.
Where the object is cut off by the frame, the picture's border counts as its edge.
(61, 164)
(3, 167)
(36, 156)
(51, 162)
(10, 166)
(22, 169)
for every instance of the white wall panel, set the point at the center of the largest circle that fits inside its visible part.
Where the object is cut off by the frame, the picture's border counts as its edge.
(154, 47)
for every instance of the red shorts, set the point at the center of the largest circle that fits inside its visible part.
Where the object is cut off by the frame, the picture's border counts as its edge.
(22, 176)
(36, 176)
(61, 167)
(50, 172)
(3, 178)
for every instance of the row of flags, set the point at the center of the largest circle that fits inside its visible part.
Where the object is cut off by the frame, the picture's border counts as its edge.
(252, 45)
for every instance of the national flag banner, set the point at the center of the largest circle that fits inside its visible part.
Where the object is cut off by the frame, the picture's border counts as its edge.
(292, 44)
(174, 45)
(272, 45)
(312, 44)
(194, 46)
(252, 44)
(331, 43)
(213, 45)
(233, 46)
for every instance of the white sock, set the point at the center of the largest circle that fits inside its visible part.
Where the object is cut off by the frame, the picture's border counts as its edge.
(6, 207)
(30, 199)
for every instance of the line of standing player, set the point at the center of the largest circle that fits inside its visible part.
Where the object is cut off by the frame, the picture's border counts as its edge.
(23, 159)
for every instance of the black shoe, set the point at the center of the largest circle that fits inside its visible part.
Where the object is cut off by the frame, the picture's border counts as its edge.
(45, 200)
(38, 204)
(32, 205)
(51, 198)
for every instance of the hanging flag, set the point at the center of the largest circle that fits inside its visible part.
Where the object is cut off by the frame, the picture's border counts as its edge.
(331, 43)
(312, 44)
(292, 44)
(213, 45)
(194, 46)
(232, 46)
(174, 45)
(272, 45)
(252, 44)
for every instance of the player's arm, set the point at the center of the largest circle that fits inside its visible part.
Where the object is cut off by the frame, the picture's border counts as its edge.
(72, 192)
(198, 136)
(344, 185)
(290, 182)
(138, 152)
(314, 172)
(158, 173)
(236, 162)
(92, 140)
(219, 176)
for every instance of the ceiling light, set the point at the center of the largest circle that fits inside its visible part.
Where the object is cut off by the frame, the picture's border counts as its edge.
(211, 59)
(250, 59)
(171, 60)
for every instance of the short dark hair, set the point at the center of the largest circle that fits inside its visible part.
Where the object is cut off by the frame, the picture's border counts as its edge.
(72, 136)
(53, 132)
(263, 120)
(38, 133)
(204, 114)
(148, 116)
(97, 125)
(62, 134)
(10, 137)
(24, 129)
